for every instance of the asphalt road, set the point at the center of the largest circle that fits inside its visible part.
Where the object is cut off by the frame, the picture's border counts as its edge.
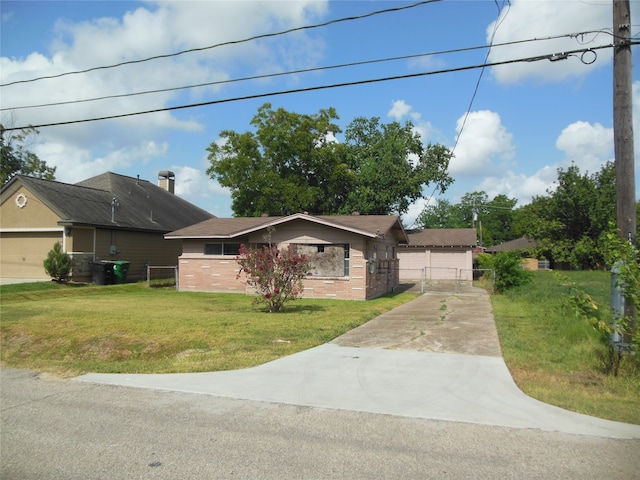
(57, 429)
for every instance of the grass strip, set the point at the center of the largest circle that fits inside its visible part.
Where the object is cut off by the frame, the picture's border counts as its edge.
(557, 357)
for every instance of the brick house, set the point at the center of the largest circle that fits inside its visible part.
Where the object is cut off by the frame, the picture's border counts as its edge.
(356, 255)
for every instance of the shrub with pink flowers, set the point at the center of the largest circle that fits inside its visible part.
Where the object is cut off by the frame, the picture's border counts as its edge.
(276, 274)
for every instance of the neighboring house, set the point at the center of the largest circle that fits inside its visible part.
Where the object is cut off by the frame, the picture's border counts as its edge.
(524, 245)
(355, 256)
(108, 217)
(438, 254)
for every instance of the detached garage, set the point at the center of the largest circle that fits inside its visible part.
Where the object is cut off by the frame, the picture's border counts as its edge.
(438, 254)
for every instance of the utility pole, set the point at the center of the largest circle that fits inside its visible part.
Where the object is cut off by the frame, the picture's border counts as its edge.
(623, 122)
(623, 133)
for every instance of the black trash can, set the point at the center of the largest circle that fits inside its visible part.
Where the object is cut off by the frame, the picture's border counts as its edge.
(102, 273)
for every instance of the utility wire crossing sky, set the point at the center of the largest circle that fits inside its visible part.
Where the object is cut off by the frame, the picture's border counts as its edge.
(518, 89)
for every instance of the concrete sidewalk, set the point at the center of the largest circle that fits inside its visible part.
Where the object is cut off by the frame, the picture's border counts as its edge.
(412, 362)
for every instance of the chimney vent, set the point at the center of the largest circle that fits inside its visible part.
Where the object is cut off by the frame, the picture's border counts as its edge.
(167, 181)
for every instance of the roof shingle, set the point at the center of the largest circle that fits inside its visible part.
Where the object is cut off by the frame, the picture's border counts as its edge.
(138, 205)
(444, 237)
(368, 225)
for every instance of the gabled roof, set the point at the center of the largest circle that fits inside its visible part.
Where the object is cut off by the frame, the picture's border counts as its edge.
(138, 204)
(228, 228)
(522, 243)
(444, 237)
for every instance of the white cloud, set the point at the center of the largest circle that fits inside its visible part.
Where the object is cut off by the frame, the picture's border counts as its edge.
(74, 164)
(399, 110)
(194, 183)
(402, 109)
(415, 209)
(519, 186)
(482, 139)
(529, 19)
(157, 28)
(197, 187)
(432, 62)
(587, 145)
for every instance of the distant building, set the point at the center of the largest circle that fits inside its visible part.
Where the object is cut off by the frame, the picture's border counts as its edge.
(523, 245)
(438, 254)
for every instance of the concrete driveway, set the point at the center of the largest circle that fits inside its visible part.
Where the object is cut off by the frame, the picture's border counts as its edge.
(437, 357)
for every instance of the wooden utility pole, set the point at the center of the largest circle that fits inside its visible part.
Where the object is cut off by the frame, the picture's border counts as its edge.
(623, 122)
(623, 134)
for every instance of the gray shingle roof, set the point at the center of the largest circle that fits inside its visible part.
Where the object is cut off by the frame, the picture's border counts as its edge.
(367, 225)
(444, 237)
(522, 243)
(141, 205)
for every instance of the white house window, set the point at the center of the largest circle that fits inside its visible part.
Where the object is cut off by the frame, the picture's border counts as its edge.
(231, 249)
(328, 260)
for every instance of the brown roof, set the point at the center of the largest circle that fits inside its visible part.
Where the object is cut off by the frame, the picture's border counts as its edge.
(444, 237)
(366, 225)
(522, 243)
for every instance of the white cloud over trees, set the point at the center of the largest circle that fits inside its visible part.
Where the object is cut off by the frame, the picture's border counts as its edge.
(483, 143)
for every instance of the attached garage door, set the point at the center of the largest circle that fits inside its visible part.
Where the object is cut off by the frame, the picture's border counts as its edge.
(445, 265)
(22, 254)
(412, 263)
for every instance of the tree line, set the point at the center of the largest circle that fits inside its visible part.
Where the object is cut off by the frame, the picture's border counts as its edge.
(570, 224)
(291, 163)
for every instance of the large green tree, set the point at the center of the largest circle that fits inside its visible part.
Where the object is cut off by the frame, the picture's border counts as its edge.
(16, 158)
(442, 214)
(497, 220)
(570, 222)
(288, 164)
(493, 218)
(391, 166)
(292, 163)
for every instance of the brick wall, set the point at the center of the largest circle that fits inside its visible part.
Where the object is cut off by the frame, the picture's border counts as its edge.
(208, 273)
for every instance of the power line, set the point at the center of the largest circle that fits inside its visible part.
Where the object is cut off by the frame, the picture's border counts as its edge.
(550, 57)
(477, 86)
(475, 90)
(231, 42)
(306, 70)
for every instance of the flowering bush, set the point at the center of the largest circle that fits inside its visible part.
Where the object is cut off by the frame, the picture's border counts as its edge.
(275, 274)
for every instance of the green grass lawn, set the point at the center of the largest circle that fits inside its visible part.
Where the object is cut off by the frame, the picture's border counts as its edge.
(557, 357)
(130, 328)
(69, 330)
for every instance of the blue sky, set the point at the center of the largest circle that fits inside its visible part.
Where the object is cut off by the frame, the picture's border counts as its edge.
(527, 118)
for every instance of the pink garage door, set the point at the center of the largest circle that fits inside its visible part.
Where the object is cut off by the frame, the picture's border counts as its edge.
(445, 265)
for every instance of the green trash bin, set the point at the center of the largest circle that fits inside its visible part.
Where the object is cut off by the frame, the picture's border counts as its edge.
(120, 269)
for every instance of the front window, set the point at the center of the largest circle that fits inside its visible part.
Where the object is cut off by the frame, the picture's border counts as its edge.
(231, 249)
(327, 260)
